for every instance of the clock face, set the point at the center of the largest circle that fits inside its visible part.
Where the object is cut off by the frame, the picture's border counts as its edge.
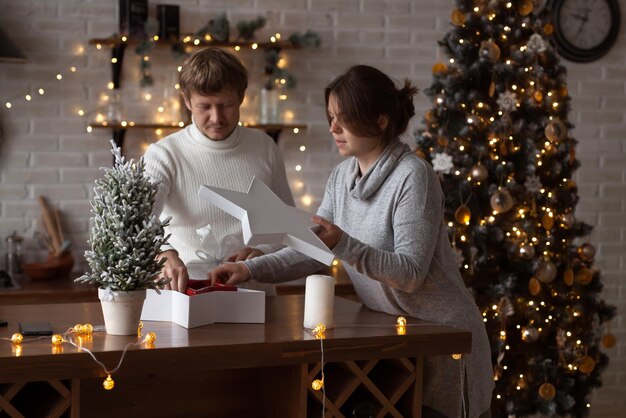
(585, 29)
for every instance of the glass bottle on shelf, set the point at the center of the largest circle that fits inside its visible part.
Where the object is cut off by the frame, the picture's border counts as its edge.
(269, 104)
(114, 110)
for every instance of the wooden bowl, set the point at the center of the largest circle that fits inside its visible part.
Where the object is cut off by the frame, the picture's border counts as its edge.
(52, 268)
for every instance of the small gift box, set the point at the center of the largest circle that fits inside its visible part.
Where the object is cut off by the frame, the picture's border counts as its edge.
(221, 304)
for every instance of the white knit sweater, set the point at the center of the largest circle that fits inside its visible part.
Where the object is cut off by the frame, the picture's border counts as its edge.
(187, 159)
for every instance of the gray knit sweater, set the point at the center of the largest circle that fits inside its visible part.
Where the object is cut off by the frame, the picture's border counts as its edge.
(397, 253)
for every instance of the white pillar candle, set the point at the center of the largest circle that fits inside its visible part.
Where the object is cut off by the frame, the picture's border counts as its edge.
(319, 298)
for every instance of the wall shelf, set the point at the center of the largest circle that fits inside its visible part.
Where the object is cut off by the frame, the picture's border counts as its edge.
(118, 47)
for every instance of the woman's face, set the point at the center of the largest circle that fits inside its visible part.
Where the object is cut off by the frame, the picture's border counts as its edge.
(349, 144)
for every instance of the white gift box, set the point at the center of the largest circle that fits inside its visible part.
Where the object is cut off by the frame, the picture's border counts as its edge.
(242, 306)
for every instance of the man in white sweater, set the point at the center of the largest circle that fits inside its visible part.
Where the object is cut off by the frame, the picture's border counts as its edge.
(213, 150)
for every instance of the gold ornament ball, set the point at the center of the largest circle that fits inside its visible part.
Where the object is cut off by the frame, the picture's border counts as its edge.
(79, 328)
(534, 286)
(57, 339)
(501, 201)
(568, 277)
(439, 68)
(479, 172)
(490, 49)
(88, 328)
(547, 221)
(547, 391)
(401, 321)
(584, 276)
(546, 271)
(555, 130)
(530, 334)
(150, 337)
(463, 215)
(457, 17)
(586, 252)
(548, 29)
(17, 338)
(586, 365)
(108, 383)
(457, 356)
(525, 7)
(608, 341)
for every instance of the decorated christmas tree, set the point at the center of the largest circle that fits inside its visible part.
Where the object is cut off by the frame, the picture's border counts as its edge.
(498, 135)
(125, 237)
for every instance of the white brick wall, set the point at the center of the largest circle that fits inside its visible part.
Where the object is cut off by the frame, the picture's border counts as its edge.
(45, 149)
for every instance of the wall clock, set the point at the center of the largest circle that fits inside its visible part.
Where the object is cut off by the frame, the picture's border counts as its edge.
(585, 30)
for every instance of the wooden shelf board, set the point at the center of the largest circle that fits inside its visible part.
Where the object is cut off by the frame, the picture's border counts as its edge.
(203, 43)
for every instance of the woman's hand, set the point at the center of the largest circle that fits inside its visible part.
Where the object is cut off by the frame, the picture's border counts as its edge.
(245, 254)
(229, 273)
(175, 269)
(329, 233)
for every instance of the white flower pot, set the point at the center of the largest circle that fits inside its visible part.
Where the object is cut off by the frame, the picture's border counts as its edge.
(121, 310)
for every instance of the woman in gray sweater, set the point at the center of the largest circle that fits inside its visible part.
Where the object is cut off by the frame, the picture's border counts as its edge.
(382, 215)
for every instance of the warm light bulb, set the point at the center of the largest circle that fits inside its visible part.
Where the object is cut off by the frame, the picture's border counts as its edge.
(401, 321)
(57, 339)
(319, 329)
(317, 384)
(108, 383)
(150, 338)
(17, 338)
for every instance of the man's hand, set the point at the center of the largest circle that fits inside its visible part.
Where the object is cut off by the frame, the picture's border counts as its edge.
(175, 269)
(329, 233)
(245, 254)
(229, 273)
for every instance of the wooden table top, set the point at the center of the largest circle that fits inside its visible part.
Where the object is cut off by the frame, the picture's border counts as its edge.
(359, 334)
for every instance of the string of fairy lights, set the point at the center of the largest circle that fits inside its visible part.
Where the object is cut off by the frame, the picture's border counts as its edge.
(83, 334)
(166, 112)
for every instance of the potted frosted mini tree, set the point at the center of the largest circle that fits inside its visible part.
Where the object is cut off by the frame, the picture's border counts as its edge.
(125, 239)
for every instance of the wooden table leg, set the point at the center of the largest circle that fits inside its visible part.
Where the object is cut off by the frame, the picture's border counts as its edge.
(419, 387)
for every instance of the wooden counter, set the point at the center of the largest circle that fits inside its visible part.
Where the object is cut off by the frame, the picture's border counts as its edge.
(233, 370)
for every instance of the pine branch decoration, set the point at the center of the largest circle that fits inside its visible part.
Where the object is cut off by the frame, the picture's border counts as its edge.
(126, 237)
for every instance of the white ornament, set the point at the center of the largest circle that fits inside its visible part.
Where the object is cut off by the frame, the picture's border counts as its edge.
(533, 184)
(265, 219)
(507, 101)
(536, 44)
(442, 163)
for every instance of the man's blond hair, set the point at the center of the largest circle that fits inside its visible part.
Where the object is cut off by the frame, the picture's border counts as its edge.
(212, 70)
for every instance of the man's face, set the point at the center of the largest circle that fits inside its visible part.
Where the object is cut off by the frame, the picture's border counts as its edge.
(217, 114)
